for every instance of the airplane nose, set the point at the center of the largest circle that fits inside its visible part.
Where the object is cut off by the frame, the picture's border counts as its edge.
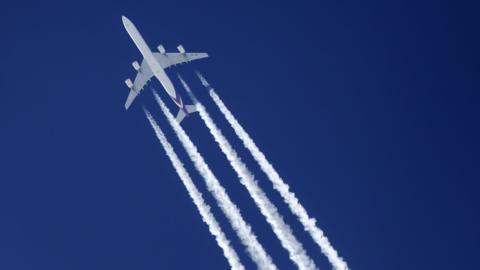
(125, 20)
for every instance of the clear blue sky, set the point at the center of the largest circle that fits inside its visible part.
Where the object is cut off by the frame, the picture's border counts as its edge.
(369, 110)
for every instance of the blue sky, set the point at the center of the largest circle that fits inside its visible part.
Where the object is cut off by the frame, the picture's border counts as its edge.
(368, 110)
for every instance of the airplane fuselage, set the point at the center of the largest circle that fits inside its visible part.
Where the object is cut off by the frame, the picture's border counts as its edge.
(155, 67)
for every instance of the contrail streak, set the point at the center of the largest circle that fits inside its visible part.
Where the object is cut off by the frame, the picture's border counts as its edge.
(197, 198)
(267, 208)
(288, 196)
(242, 229)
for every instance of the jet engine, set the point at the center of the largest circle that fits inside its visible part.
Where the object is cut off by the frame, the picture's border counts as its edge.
(161, 49)
(135, 65)
(129, 83)
(181, 49)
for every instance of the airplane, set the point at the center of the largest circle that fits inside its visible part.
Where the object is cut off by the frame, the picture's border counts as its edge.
(154, 64)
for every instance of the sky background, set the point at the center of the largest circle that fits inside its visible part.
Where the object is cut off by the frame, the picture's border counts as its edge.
(368, 109)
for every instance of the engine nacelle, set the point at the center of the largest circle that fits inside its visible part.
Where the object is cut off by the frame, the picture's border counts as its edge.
(136, 66)
(129, 83)
(181, 49)
(161, 49)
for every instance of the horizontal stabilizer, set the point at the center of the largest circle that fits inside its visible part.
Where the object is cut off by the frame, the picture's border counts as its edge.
(191, 108)
(181, 114)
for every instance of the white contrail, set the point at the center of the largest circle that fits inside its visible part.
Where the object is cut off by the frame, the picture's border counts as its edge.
(295, 249)
(197, 198)
(288, 196)
(242, 229)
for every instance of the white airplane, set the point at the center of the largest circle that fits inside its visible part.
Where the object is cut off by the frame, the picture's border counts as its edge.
(154, 64)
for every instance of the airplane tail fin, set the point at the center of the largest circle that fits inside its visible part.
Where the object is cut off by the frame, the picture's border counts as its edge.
(182, 113)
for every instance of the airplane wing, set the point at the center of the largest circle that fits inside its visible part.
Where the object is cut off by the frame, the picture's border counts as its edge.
(165, 60)
(171, 59)
(143, 76)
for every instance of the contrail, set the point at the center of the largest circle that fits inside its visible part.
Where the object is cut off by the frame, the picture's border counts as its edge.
(288, 196)
(242, 229)
(267, 208)
(197, 198)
